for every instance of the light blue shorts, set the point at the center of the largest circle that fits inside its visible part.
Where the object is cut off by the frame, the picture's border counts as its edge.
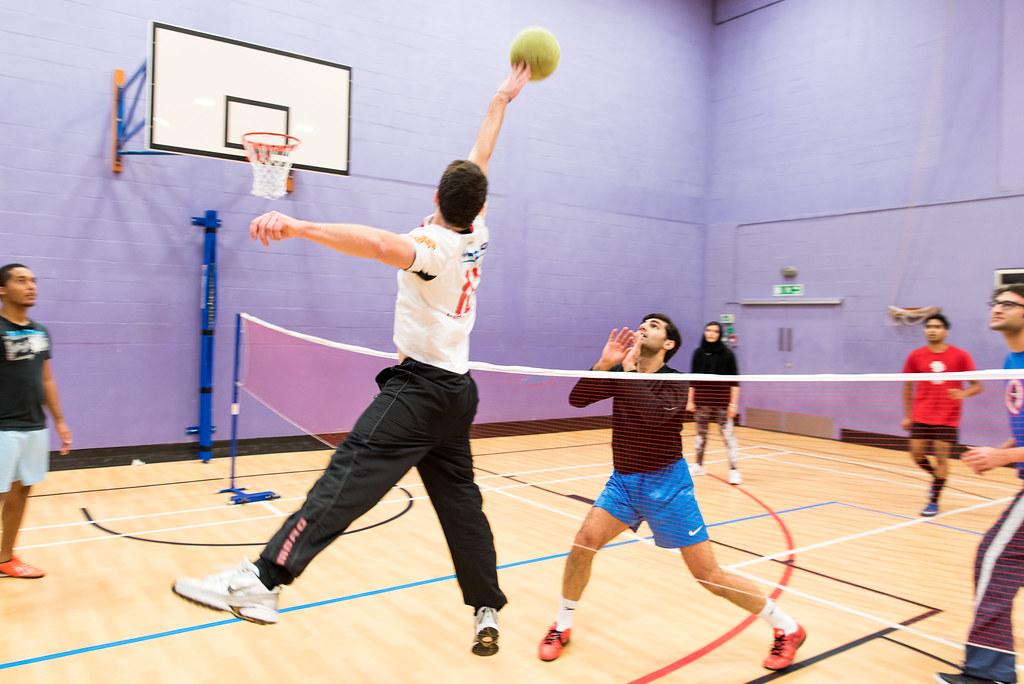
(24, 456)
(664, 498)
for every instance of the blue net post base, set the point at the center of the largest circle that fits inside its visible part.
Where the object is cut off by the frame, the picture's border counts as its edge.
(240, 497)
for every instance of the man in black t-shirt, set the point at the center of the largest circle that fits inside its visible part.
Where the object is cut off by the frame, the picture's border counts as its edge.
(26, 385)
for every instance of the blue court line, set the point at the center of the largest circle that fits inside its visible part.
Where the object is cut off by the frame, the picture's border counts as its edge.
(907, 517)
(400, 587)
(219, 623)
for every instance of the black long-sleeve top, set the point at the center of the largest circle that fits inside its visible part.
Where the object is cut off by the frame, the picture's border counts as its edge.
(717, 359)
(647, 418)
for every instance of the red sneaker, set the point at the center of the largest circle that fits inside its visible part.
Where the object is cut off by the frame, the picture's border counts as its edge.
(784, 648)
(553, 642)
(19, 568)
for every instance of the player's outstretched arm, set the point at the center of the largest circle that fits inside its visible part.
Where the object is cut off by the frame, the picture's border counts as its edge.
(487, 136)
(52, 400)
(980, 459)
(349, 238)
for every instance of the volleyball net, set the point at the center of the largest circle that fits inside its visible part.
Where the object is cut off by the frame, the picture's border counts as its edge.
(829, 489)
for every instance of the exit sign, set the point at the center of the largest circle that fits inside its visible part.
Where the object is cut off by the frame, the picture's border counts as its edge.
(787, 290)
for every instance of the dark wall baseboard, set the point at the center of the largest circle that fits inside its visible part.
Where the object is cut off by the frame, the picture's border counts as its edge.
(162, 453)
(884, 441)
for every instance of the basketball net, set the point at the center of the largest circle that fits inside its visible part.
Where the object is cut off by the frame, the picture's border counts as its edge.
(911, 315)
(270, 157)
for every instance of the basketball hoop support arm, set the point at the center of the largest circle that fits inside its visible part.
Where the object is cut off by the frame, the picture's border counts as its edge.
(122, 127)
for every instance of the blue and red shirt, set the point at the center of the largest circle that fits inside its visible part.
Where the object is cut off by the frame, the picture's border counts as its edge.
(1015, 403)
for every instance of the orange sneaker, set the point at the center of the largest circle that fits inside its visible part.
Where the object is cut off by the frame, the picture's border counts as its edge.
(784, 648)
(19, 568)
(553, 642)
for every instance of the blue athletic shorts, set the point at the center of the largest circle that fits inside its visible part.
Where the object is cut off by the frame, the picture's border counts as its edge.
(24, 456)
(664, 498)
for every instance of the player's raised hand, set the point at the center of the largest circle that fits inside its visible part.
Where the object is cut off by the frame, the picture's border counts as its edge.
(274, 226)
(515, 81)
(615, 350)
(632, 357)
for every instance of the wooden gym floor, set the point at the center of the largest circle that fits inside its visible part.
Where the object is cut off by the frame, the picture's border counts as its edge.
(884, 594)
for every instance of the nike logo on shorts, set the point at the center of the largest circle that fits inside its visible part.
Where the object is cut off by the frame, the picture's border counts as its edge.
(693, 532)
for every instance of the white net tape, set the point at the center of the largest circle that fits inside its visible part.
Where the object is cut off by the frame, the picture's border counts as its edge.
(912, 316)
(270, 157)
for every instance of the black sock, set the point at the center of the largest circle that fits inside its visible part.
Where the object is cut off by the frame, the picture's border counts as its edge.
(924, 464)
(272, 575)
(937, 484)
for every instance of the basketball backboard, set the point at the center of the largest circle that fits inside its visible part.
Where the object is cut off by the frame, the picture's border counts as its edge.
(205, 91)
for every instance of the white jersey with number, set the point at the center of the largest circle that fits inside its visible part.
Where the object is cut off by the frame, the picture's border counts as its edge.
(436, 305)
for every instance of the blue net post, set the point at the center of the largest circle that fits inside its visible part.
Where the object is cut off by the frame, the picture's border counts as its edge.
(205, 429)
(238, 493)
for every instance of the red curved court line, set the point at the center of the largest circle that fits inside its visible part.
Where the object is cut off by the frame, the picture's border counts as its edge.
(746, 622)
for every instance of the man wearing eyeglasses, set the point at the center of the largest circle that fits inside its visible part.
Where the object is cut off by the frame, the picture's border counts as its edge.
(932, 409)
(1000, 557)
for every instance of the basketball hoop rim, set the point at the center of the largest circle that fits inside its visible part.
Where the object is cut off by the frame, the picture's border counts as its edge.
(270, 147)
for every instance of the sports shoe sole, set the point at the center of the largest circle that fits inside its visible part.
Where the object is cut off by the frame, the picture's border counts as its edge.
(486, 643)
(254, 614)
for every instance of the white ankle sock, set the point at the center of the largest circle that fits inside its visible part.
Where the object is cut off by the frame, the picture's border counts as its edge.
(778, 619)
(565, 611)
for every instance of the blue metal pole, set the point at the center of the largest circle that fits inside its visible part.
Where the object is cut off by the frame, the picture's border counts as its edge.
(234, 397)
(240, 497)
(209, 320)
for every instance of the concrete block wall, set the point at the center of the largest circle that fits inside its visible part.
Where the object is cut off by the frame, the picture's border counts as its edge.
(598, 187)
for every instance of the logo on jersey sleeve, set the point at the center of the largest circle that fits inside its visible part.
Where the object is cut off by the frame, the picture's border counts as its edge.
(472, 256)
(1014, 396)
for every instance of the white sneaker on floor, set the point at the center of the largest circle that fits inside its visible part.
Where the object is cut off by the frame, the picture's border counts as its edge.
(237, 590)
(697, 469)
(734, 477)
(485, 623)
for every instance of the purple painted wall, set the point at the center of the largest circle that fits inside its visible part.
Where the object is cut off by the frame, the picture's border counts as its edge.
(597, 205)
(874, 146)
(684, 152)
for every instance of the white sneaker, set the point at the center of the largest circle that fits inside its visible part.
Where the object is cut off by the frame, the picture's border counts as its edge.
(485, 623)
(237, 590)
(734, 477)
(697, 469)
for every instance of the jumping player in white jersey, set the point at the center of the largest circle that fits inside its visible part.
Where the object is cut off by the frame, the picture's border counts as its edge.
(425, 408)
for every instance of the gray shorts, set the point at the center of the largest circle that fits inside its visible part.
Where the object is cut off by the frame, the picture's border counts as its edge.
(24, 456)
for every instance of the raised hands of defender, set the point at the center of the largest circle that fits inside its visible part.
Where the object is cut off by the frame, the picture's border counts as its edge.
(632, 359)
(515, 81)
(619, 345)
(274, 226)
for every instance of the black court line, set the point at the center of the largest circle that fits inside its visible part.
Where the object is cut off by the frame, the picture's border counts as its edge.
(513, 478)
(88, 517)
(868, 466)
(881, 634)
(831, 578)
(174, 483)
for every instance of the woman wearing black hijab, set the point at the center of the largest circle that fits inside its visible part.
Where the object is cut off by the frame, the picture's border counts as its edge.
(714, 400)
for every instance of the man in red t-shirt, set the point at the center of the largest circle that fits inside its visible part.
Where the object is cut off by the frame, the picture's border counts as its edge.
(932, 409)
